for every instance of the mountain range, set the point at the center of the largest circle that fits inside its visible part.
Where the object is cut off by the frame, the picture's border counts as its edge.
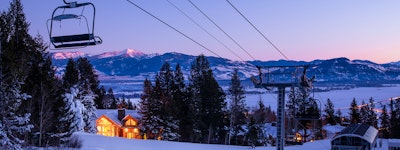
(138, 65)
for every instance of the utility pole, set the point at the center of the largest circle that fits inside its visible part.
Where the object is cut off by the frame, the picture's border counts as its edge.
(281, 77)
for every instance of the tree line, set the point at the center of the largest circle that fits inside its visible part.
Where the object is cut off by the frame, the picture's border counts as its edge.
(388, 122)
(197, 111)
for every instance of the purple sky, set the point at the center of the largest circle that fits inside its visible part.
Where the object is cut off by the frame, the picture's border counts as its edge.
(302, 30)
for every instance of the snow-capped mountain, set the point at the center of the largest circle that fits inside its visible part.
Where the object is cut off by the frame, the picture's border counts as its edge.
(125, 53)
(139, 65)
(67, 55)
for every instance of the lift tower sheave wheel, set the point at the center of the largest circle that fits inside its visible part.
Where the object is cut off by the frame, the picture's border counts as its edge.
(281, 77)
(68, 38)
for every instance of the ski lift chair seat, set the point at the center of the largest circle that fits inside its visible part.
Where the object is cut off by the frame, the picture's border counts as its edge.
(79, 40)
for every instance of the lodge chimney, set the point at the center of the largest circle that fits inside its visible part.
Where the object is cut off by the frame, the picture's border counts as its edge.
(121, 113)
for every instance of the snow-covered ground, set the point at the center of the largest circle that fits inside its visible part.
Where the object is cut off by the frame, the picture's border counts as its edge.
(99, 142)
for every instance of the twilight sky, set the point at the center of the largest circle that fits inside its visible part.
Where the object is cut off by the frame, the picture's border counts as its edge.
(302, 30)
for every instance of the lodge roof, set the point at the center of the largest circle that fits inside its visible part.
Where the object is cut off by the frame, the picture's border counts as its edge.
(112, 114)
(363, 131)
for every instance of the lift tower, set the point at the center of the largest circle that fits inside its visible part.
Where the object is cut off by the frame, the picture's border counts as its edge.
(281, 77)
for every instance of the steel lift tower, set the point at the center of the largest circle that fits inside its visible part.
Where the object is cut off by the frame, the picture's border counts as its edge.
(281, 77)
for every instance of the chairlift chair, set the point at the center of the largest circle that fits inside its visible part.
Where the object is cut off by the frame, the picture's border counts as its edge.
(72, 40)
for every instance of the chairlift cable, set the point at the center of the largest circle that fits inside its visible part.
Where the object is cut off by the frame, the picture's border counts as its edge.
(230, 37)
(191, 19)
(183, 34)
(268, 40)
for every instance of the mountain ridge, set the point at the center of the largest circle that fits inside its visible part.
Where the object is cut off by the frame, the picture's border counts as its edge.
(139, 66)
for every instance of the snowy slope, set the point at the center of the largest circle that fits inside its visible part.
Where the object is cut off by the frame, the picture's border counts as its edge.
(99, 142)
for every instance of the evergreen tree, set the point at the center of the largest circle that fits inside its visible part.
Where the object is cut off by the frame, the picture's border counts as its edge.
(208, 101)
(43, 86)
(385, 123)
(16, 47)
(354, 112)
(260, 114)
(183, 109)
(169, 112)
(101, 98)
(88, 84)
(70, 117)
(150, 109)
(330, 112)
(110, 102)
(364, 118)
(253, 132)
(237, 106)
(71, 74)
(395, 118)
(372, 116)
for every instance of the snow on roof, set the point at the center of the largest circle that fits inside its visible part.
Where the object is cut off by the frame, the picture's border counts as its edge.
(363, 131)
(113, 114)
(333, 128)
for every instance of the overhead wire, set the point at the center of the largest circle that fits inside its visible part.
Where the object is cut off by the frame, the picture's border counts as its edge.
(230, 37)
(268, 40)
(206, 31)
(173, 28)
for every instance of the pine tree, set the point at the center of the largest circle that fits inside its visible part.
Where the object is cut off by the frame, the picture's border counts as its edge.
(330, 112)
(71, 109)
(260, 114)
(101, 98)
(88, 84)
(182, 104)
(253, 132)
(71, 75)
(208, 101)
(16, 45)
(150, 109)
(354, 112)
(110, 102)
(395, 118)
(372, 116)
(43, 86)
(168, 108)
(385, 123)
(237, 106)
(364, 117)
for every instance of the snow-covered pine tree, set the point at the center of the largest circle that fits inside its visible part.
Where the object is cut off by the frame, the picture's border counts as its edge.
(15, 45)
(70, 118)
(330, 112)
(150, 109)
(238, 109)
(88, 86)
(144, 108)
(42, 84)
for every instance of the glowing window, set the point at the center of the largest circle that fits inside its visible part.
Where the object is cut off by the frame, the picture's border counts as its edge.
(130, 122)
